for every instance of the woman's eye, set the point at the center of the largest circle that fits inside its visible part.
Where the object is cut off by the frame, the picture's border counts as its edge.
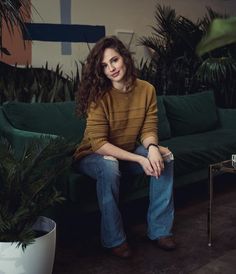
(114, 60)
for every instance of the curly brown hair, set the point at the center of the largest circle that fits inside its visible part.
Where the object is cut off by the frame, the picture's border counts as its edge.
(94, 84)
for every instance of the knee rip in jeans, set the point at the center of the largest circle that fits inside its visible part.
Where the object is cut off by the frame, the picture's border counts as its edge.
(168, 157)
(111, 158)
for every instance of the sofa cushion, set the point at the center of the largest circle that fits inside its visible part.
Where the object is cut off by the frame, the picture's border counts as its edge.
(189, 114)
(227, 117)
(163, 123)
(54, 118)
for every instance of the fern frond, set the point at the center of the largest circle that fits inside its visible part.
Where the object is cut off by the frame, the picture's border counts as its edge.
(28, 186)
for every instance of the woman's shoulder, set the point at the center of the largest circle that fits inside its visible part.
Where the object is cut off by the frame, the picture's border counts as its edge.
(144, 85)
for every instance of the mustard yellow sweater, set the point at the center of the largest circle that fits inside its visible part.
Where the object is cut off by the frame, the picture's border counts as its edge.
(121, 119)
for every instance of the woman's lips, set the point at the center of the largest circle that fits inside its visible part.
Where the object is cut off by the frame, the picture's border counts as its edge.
(115, 74)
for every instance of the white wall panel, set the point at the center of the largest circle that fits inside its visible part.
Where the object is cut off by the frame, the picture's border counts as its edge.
(135, 15)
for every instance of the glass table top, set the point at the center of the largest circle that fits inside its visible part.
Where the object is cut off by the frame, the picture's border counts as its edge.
(224, 166)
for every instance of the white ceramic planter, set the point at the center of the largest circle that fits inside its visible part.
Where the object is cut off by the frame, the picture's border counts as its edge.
(38, 258)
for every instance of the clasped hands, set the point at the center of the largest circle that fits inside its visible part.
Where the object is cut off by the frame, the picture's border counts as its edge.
(153, 165)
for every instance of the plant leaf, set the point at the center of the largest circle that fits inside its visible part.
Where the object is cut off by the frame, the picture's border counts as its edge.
(222, 32)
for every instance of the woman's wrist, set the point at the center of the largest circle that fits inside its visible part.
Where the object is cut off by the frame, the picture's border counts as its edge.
(152, 144)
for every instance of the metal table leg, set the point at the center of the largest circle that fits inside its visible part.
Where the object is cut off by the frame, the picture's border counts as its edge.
(209, 219)
(214, 170)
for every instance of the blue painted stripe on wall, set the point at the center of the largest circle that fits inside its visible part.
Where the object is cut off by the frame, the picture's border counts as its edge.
(64, 32)
(66, 48)
(65, 11)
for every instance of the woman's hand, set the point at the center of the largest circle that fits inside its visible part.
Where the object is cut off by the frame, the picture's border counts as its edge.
(146, 165)
(164, 150)
(156, 161)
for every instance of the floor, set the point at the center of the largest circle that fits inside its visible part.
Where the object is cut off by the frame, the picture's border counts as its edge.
(83, 254)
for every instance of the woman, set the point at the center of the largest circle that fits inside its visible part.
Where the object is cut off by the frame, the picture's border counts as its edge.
(120, 110)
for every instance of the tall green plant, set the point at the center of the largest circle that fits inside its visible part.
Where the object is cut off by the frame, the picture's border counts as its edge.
(176, 68)
(173, 43)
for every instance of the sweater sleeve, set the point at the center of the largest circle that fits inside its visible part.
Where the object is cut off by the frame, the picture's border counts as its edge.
(149, 127)
(97, 126)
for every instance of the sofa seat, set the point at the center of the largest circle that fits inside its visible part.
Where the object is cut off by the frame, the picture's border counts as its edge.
(193, 153)
(192, 126)
(197, 151)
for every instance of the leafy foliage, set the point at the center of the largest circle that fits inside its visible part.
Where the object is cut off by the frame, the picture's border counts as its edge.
(219, 75)
(174, 66)
(221, 33)
(172, 44)
(28, 186)
(36, 84)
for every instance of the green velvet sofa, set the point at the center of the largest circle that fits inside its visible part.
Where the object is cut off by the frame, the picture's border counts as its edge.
(192, 126)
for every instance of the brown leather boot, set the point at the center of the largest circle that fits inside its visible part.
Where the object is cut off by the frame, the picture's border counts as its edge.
(166, 243)
(122, 251)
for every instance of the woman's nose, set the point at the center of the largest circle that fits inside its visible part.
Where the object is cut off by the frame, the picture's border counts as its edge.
(111, 67)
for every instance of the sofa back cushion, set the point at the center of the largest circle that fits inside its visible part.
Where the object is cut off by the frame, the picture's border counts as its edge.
(54, 118)
(189, 114)
(163, 123)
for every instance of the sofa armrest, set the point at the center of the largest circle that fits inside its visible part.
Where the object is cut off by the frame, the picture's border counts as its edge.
(227, 118)
(21, 138)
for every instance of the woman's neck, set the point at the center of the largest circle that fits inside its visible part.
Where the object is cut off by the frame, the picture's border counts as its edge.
(120, 86)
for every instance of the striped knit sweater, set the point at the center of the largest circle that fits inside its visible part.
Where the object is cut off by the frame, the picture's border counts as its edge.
(121, 119)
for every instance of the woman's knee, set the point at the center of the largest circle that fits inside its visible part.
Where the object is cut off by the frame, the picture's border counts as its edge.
(110, 166)
(108, 177)
(168, 157)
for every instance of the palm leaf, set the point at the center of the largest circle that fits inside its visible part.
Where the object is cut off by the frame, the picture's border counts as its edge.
(216, 71)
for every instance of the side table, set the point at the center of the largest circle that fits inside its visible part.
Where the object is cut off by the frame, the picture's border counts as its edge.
(214, 170)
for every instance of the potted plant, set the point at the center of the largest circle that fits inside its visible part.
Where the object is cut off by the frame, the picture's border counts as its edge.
(27, 189)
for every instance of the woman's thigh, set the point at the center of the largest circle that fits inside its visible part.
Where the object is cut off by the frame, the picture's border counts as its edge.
(133, 168)
(94, 164)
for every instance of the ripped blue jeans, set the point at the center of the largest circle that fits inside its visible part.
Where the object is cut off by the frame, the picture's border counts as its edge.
(107, 172)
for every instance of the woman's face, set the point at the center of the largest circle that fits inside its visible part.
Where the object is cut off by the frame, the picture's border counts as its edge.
(114, 67)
